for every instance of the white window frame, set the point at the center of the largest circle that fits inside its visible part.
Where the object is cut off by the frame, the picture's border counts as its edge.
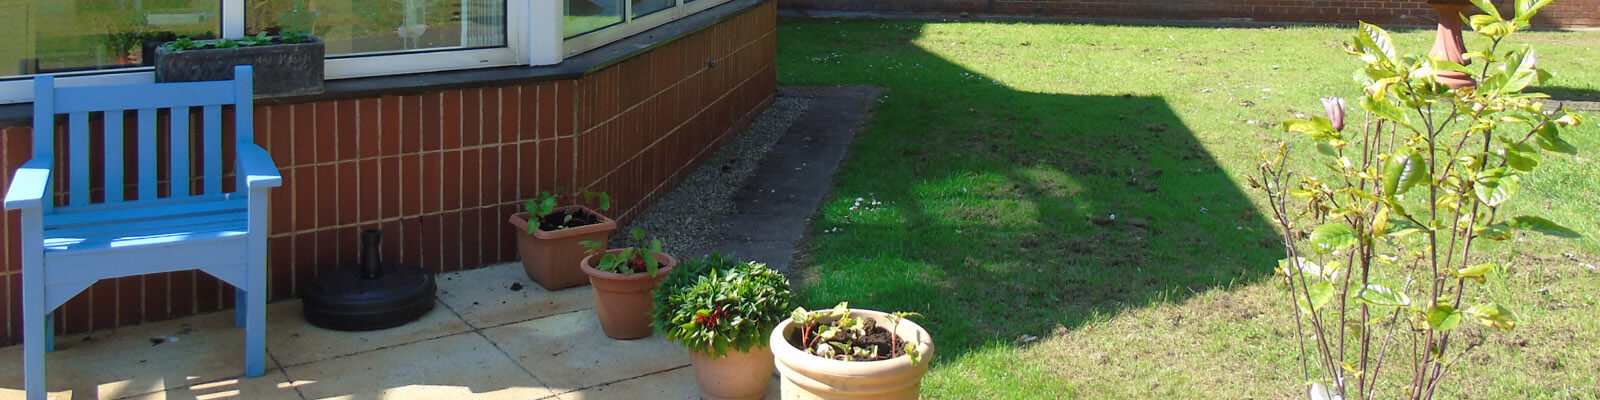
(632, 26)
(534, 36)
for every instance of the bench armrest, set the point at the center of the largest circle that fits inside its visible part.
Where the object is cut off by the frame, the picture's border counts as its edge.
(257, 167)
(28, 185)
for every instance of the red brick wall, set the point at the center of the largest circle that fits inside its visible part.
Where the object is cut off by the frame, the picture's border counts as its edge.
(1561, 14)
(439, 172)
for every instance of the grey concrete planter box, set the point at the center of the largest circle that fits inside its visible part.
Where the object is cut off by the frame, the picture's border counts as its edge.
(280, 69)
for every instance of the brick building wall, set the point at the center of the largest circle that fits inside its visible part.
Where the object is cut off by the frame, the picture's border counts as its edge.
(440, 172)
(1561, 14)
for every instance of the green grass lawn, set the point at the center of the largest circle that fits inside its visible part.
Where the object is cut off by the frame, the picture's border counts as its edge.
(989, 176)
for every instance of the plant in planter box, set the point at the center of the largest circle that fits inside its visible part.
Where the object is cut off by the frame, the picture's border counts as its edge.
(551, 243)
(851, 353)
(624, 282)
(287, 64)
(722, 309)
(1393, 267)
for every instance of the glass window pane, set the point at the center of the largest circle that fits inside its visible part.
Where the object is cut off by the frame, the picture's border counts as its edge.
(584, 16)
(645, 7)
(364, 27)
(45, 36)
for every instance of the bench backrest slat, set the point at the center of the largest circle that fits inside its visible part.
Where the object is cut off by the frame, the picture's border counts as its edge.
(171, 148)
(113, 156)
(78, 154)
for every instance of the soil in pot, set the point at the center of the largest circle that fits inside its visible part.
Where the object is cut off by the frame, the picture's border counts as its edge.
(569, 218)
(550, 256)
(875, 337)
(623, 302)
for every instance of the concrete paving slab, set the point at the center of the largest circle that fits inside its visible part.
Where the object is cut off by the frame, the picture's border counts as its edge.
(484, 297)
(777, 254)
(294, 341)
(668, 385)
(749, 227)
(569, 351)
(274, 386)
(126, 361)
(463, 366)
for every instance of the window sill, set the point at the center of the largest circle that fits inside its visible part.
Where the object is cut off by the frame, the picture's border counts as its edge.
(572, 68)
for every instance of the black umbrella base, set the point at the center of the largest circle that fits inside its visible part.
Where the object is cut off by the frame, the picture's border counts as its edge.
(345, 299)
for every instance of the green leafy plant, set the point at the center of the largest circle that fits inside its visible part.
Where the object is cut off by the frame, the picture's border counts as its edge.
(1408, 197)
(183, 43)
(838, 335)
(630, 260)
(258, 40)
(294, 37)
(718, 304)
(542, 206)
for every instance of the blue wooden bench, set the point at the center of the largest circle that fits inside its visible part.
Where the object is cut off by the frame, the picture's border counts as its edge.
(190, 222)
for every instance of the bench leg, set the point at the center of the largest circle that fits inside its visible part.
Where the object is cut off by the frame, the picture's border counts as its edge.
(50, 332)
(255, 329)
(240, 307)
(36, 337)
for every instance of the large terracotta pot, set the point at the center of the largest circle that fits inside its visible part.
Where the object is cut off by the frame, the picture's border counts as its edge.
(806, 376)
(551, 257)
(623, 301)
(739, 375)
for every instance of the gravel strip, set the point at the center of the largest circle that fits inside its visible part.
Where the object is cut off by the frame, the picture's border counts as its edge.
(688, 218)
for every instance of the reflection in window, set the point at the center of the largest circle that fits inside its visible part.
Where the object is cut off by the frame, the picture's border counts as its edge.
(645, 7)
(360, 27)
(45, 36)
(584, 16)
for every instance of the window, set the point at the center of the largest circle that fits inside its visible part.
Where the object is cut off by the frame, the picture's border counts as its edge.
(593, 23)
(94, 42)
(48, 36)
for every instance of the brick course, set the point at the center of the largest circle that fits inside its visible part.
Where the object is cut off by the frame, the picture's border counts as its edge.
(1561, 14)
(439, 172)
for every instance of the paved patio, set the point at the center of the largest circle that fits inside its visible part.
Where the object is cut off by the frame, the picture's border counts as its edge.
(482, 340)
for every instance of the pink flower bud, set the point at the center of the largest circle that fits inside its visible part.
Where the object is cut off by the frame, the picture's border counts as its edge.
(1335, 107)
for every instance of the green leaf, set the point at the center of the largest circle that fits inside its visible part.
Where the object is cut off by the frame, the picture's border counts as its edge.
(1378, 39)
(1331, 237)
(1493, 315)
(1550, 140)
(1525, 73)
(1403, 171)
(1522, 156)
(1475, 272)
(1386, 110)
(1488, 8)
(1499, 231)
(1380, 295)
(1494, 187)
(1308, 267)
(1321, 293)
(1526, 10)
(1443, 317)
(1544, 226)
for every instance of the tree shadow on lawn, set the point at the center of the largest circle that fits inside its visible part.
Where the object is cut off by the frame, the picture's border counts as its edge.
(999, 213)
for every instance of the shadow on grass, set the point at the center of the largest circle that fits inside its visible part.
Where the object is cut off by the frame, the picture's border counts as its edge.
(999, 213)
(1571, 94)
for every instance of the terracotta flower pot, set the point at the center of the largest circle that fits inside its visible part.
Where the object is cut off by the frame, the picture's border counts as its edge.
(739, 375)
(623, 301)
(551, 257)
(806, 376)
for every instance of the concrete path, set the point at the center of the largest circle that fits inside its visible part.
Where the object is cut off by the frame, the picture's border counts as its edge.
(774, 208)
(493, 333)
